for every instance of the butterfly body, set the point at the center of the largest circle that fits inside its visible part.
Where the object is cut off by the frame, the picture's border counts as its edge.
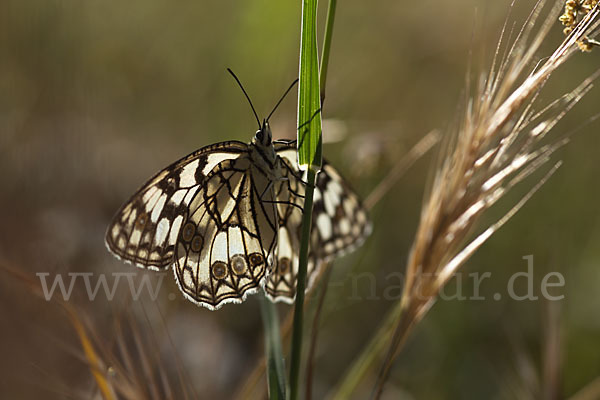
(227, 219)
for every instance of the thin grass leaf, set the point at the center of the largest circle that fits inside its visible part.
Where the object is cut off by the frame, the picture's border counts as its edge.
(312, 348)
(590, 391)
(93, 360)
(92, 357)
(309, 159)
(327, 47)
(309, 98)
(275, 366)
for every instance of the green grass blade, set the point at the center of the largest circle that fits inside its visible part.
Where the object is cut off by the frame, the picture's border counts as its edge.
(274, 354)
(309, 100)
(309, 158)
(296, 353)
(327, 47)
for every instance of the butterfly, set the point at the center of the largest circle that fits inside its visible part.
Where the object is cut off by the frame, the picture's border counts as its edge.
(227, 218)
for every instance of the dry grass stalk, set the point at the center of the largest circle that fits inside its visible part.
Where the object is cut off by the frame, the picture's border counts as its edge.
(499, 143)
(591, 391)
(129, 368)
(90, 353)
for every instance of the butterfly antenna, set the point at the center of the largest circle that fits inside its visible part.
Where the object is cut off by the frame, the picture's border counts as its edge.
(282, 97)
(248, 97)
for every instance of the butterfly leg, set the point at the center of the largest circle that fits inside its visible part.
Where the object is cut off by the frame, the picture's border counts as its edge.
(289, 203)
(283, 202)
(270, 186)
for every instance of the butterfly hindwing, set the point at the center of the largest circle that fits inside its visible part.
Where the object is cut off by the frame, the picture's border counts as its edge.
(145, 229)
(340, 222)
(226, 246)
(289, 193)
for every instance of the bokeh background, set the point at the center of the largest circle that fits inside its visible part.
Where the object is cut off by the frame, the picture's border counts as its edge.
(96, 96)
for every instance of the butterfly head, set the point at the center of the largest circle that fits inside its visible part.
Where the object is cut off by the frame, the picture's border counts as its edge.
(263, 136)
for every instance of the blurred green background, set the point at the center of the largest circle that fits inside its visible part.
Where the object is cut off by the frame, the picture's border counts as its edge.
(96, 96)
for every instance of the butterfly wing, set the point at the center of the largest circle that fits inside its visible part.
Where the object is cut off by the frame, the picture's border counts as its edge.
(145, 229)
(340, 222)
(225, 248)
(225, 226)
(289, 192)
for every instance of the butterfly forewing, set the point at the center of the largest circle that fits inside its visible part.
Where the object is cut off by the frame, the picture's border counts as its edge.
(145, 229)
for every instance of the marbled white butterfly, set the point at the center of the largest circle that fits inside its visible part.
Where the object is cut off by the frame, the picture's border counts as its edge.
(228, 219)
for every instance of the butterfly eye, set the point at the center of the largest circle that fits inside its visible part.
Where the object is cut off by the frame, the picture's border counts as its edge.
(259, 135)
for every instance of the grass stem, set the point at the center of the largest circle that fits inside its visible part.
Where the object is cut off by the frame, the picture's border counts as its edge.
(274, 354)
(327, 47)
(309, 159)
(296, 353)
